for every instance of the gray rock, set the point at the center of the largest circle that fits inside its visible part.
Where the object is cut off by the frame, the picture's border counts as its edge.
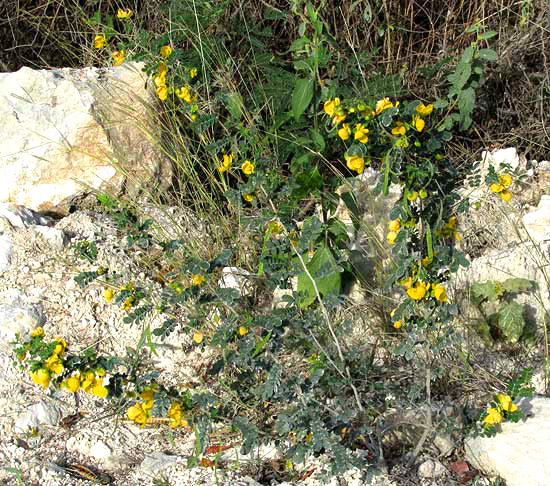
(431, 469)
(520, 453)
(42, 413)
(56, 238)
(22, 217)
(444, 444)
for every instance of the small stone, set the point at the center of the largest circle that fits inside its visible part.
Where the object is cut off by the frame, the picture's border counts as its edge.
(100, 451)
(56, 238)
(444, 444)
(19, 318)
(431, 469)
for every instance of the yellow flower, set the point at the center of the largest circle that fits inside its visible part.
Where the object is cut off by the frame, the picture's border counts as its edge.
(505, 180)
(99, 390)
(109, 294)
(344, 132)
(384, 104)
(73, 383)
(243, 331)
(425, 110)
(496, 187)
(361, 133)
(147, 395)
(41, 377)
(330, 106)
(160, 80)
(398, 324)
(165, 51)
(248, 167)
(392, 236)
(137, 414)
(339, 117)
(423, 193)
(197, 279)
(506, 196)
(493, 417)
(399, 129)
(198, 337)
(412, 196)
(193, 73)
(227, 161)
(418, 123)
(185, 94)
(426, 261)
(162, 93)
(54, 365)
(418, 292)
(119, 57)
(506, 403)
(38, 332)
(60, 346)
(440, 293)
(176, 416)
(100, 41)
(394, 225)
(406, 282)
(128, 303)
(248, 197)
(124, 14)
(356, 163)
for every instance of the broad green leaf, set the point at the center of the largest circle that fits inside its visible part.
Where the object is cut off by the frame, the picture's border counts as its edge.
(302, 96)
(299, 43)
(487, 290)
(325, 272)
(511, 321)
(487, 35)
(517, 285)
(317, 139)
(488, 54)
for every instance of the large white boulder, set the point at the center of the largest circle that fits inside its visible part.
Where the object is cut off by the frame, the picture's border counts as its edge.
(520, 453)
(67, 129)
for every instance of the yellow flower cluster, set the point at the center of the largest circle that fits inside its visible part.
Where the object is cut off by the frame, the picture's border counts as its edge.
(227, 163)
(198, 279)
(124, 14)
(394, 226)
(449, 230)
(53, 364)
(141, 412)
(247, 167)
(160, 81)
(422, 289)
(355, 162)
(92, 382)
(495, 414)
(504, 182)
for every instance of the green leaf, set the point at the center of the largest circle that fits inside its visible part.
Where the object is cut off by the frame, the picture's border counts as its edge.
(318, 139)
(487, 290)
(511, 321)
(302, 96)
(466, 104)
(516, 285)
(488, 54)
(299, 43)
(487, 35)
(234, 104)
(325, 272)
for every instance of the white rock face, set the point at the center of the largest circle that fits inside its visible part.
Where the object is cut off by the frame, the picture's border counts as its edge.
(520, 453)
(61, 128)
(537, 222)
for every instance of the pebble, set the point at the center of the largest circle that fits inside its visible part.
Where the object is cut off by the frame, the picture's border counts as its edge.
(431, 469)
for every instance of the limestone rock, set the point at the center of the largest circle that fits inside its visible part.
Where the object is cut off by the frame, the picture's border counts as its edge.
(6, 251)
(18, 317)
(65, 130)
(100, 451)
(520, 453)
(21, 217)
(537, 222)
(41, 413)
(235, 278)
